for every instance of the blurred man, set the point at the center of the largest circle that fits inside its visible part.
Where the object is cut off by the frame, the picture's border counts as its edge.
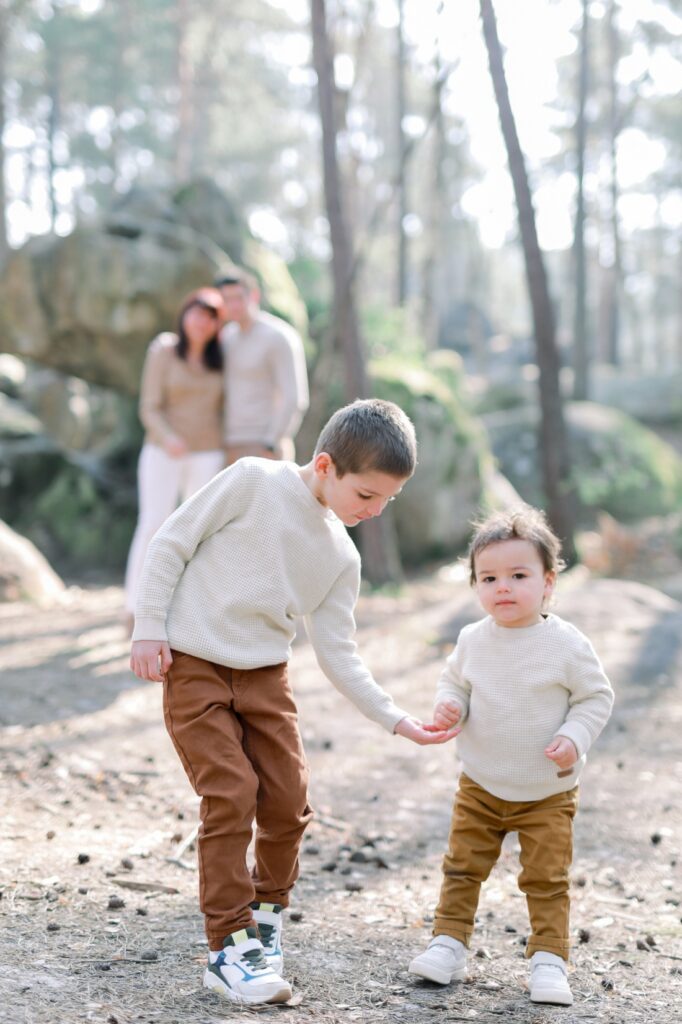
(266, 381)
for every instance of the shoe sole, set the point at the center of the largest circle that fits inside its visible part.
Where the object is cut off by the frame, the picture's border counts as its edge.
(439, 977)
(554, 999)
(214, 984)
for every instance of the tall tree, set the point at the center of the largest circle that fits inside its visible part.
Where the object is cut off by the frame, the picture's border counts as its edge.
(581, 348)
(379, 548)
(401, 146)
(53, 76)
(556, 462)
(183, 146)
(4, 31)
(614, 264)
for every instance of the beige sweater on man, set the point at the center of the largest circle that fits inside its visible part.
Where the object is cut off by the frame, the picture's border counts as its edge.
(518, 689)
(230, 573)
(266, 382)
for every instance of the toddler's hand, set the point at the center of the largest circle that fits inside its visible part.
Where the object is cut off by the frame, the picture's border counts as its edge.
(150, 659)
(562, 751)
(424, 735)
(446, 714)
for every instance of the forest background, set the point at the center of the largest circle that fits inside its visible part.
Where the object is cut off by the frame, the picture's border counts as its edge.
(473, 208)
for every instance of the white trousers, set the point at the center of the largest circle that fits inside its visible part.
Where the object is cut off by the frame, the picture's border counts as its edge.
(162, 483)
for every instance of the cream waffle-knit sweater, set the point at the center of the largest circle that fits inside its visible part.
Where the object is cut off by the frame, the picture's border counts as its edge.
(229, 573)
(518, 688)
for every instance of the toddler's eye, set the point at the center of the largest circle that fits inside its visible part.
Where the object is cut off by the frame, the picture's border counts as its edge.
(519, 576)
(364, 497)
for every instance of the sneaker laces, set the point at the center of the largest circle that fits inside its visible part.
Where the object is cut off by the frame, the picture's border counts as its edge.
(255, 959)
(267, 935)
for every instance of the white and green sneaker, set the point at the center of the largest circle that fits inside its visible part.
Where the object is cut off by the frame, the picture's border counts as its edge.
(241, 974)
(268, 917)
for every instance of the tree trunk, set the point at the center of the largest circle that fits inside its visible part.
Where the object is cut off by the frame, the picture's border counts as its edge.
(53, 73)
(124, 30)
(614, 271)
(436, 210)
(4, 244)
(581, 348)
(401, 183)
(556, 465)
(379, 547)
(183, 147)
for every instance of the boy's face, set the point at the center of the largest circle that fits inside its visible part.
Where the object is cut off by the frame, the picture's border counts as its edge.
(512, 583)
(355, 496)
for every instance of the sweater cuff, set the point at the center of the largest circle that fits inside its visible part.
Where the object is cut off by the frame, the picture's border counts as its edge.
(149, 629)
(578, 734)
(392, 719)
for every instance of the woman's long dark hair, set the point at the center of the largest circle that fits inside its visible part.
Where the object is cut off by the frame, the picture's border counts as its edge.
(212, 355)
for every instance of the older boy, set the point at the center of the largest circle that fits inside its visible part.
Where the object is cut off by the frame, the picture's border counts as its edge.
(224, 581)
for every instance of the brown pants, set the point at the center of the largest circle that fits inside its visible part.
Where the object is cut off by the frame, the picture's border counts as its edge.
(236, 733)
(480, 822)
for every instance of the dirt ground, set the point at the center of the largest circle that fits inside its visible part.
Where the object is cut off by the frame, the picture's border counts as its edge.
(100, 916)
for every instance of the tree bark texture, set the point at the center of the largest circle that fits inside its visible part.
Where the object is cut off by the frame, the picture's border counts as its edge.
(4, 27)
(381, 560)
(556, 464)
(581, 348)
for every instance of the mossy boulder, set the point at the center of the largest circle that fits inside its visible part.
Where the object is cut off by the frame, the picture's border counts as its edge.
(620, 466)
(89, 304)
(78, 509)
(433, 513)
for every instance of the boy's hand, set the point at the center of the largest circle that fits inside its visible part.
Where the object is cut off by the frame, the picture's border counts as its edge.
(562, 751)
(446, 714)
(150, 659)
(413, 729)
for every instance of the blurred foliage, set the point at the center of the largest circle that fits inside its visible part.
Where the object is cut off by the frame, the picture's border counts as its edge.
(620, 466)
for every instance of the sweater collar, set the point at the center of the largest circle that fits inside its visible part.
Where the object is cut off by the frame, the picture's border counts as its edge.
(305, 494)
(511, 634)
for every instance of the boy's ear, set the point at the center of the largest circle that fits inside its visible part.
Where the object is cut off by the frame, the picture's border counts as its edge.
(323, 463)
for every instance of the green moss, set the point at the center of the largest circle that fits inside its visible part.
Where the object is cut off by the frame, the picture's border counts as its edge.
(619, 466)
(88, 525)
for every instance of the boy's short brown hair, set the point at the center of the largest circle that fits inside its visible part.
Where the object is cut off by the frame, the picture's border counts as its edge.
(521, 523)
(367, 435)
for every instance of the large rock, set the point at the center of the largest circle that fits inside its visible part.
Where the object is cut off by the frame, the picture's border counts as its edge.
(78, 509)
(24, 573)
(455, 476)
(620, 466)
(651, 397)
(451, 480)
(88, 304)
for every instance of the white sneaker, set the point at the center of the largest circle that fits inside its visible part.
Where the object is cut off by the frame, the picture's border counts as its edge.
(443, 961)
(268, 917)
(241, 974)
(548, 981)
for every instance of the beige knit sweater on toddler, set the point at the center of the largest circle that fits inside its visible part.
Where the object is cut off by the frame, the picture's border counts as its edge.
(518, 689)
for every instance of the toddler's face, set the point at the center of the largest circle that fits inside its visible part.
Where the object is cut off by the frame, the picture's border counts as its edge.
(512, 583)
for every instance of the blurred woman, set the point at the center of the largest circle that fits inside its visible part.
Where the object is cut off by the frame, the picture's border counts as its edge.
(181, 408)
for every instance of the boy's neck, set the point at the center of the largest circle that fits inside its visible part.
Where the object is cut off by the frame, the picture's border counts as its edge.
(307, 475)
